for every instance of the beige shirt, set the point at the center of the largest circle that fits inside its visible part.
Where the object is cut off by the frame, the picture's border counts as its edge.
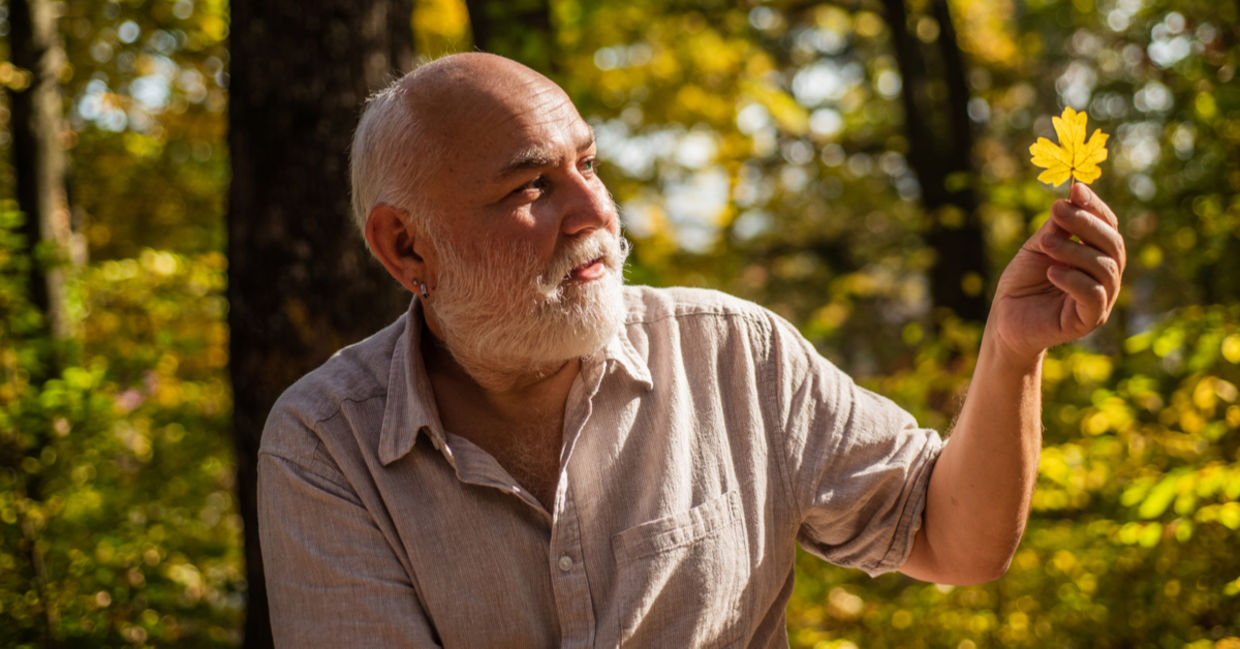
(702, 444)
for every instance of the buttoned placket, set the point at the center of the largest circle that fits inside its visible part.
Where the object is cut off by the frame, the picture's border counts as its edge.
(568, 576)
(569, 580)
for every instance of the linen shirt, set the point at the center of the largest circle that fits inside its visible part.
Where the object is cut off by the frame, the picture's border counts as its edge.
(700, 446)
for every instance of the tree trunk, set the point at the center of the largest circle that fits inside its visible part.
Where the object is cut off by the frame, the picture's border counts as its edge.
(940, 151)
(518, 29)
(301, 283)
(39, 157)
(39, 169)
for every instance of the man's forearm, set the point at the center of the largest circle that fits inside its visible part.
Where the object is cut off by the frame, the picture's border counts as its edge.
(980, 490)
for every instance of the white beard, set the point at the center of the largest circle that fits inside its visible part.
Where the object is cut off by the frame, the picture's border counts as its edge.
(503, 317)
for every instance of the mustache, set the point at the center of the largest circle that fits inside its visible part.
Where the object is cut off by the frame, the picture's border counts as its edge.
(600, 245)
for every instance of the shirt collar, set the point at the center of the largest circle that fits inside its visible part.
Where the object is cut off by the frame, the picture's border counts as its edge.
(410, 409)
(624, 355)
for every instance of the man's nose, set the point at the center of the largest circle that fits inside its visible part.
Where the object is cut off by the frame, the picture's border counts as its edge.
(588, 206)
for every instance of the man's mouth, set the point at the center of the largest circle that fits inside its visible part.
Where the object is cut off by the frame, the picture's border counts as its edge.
(589, 271)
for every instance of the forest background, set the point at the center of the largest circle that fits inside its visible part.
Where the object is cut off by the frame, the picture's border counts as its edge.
(174, 250)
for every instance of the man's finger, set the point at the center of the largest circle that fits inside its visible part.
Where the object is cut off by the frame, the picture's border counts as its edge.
(1104, 268)
(1090, 229)
(1090, 297)
(1084, 197)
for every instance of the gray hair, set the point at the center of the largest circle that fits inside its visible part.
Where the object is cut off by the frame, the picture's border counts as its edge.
(388, 158)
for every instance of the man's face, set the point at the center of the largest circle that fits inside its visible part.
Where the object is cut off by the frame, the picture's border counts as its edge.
(528, 257)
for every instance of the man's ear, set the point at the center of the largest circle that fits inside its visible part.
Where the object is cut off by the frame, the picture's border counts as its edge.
(392, 237)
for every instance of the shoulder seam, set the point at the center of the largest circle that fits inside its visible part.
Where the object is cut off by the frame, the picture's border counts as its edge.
(310, 466)
(336, 405)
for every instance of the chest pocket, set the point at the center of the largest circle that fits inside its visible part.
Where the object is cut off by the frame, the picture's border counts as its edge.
(681, 577)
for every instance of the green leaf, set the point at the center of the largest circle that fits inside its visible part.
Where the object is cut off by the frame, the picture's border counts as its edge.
(1159, 498)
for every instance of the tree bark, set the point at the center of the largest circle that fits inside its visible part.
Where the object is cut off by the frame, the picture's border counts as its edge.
(39, 157)
(301, 283)
(940, 153)
(518, 29)
(39, 169)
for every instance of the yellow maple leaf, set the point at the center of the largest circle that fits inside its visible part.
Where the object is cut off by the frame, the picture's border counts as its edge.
(1073, 157)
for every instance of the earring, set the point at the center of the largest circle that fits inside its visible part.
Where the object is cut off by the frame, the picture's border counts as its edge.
(425, 292)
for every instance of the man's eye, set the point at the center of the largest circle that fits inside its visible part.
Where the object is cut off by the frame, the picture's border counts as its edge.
(538, 183)
(590, 166)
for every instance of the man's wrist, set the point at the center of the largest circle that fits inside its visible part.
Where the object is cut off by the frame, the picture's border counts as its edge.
(997, 356)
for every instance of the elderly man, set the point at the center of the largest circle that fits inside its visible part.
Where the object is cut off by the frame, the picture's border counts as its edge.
(536, 455)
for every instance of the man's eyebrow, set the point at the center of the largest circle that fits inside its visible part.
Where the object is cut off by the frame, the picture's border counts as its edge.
(536, 157)
(529, 158)
(587, 141)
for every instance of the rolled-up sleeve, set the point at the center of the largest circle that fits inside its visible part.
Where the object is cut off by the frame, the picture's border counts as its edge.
(332, 577)
(858, 465)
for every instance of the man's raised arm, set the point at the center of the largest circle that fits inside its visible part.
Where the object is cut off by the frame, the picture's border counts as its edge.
(1055, 290)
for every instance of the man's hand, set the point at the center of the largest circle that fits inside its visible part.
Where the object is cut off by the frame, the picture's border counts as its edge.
(1056, 290)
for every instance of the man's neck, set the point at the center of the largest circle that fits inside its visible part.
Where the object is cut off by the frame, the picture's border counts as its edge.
(511, 394)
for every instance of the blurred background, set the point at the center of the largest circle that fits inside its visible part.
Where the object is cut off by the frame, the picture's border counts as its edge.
(175, 250)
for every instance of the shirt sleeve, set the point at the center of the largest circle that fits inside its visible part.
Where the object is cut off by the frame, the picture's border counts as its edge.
(858, 466)
(332, 578)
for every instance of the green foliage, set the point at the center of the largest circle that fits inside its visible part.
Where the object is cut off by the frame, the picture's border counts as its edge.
(1135, 518)
(145, 92)
(116, 509)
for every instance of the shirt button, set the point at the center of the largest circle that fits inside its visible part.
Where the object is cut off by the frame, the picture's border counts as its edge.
(566, 563)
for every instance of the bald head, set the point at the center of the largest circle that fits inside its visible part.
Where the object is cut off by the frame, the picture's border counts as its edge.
(421, 120)
(466, 83)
